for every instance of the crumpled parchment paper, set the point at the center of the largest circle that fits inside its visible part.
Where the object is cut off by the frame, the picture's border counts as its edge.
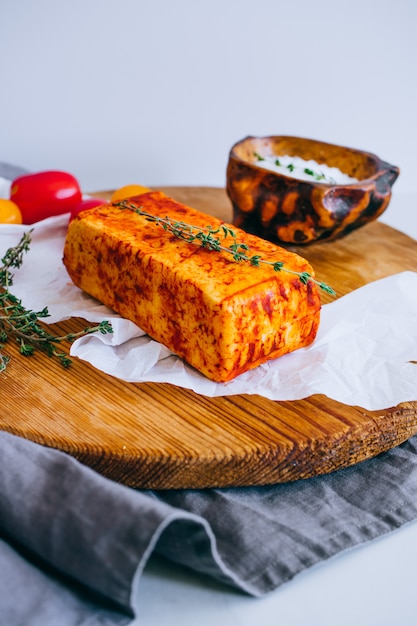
(363, 354)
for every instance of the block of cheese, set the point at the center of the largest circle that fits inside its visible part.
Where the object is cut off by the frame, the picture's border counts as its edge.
(221, 316)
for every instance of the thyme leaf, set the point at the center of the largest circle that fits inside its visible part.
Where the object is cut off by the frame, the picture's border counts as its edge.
(212, 239)
(23, 324)
(293, 168)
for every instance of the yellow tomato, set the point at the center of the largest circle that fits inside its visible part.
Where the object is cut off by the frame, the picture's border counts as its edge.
(128, 191)
(9, 212)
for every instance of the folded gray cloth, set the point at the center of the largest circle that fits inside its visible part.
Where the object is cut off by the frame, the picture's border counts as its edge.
(77, 542)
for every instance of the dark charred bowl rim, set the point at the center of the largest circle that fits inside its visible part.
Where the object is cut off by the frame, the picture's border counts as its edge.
(381, 166)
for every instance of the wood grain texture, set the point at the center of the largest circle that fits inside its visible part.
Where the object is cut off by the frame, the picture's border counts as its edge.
(160, 436)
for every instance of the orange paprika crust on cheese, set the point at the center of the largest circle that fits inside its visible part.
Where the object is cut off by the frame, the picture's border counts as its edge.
(221, 316)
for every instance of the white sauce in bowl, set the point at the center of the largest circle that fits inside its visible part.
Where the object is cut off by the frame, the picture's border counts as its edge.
(296, 167)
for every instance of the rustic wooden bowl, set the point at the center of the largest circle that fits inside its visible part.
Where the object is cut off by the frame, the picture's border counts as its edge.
(285, 209)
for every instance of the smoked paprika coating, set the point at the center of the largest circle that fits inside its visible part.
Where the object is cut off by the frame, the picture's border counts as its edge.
(221, 316)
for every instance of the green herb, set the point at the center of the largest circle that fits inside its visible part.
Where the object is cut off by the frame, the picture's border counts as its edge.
(211, 239)
(3, 362)
(291, 167)
(23, 324)
(315, 175)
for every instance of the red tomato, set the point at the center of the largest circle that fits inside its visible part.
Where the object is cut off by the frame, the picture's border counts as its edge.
(84, 205)
(44, 194)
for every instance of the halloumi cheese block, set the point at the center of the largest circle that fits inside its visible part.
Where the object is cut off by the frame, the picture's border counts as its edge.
(221, 316)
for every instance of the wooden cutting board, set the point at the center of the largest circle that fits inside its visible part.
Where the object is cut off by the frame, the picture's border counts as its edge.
(160, 436)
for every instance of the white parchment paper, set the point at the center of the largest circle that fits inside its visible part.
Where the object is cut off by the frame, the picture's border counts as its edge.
(363, 354)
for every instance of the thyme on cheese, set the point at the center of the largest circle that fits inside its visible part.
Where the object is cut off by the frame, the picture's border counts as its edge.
(23, 324)
(211, 238)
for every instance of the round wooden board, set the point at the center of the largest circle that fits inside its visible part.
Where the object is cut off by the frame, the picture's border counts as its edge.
(160, 436)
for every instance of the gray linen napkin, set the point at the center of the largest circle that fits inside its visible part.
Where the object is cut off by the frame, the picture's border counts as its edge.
(77, 542)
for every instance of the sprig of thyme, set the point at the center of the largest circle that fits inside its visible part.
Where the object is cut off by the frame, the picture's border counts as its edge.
(211, 238)
(23, 324)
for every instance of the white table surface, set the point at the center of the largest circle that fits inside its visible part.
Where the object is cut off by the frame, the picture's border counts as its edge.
(371, 584)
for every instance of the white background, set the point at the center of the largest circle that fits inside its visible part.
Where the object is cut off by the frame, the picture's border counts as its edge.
(156, 92)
